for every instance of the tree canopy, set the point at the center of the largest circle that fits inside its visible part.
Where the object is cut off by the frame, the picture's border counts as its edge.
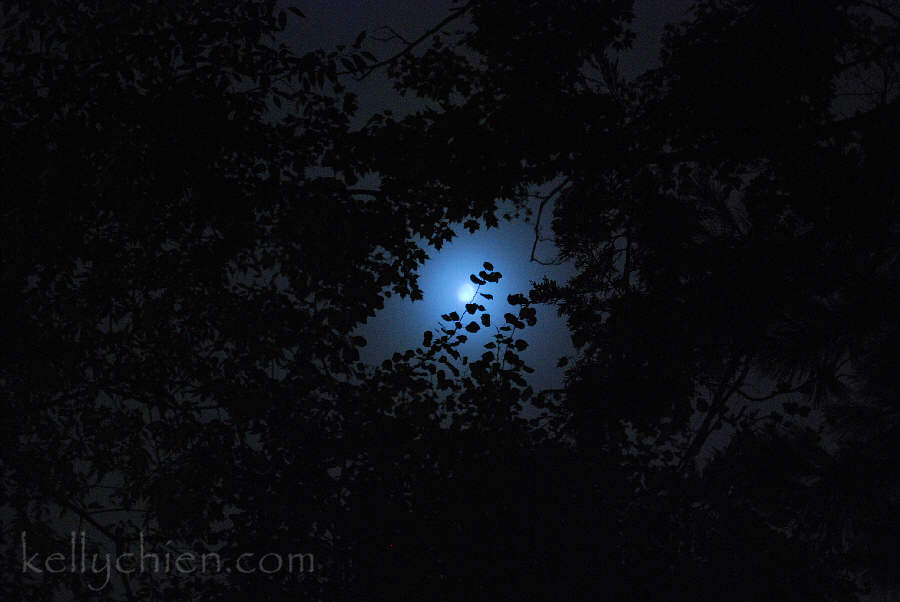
(189, 247)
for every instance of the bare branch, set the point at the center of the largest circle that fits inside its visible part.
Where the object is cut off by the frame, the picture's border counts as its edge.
(455, 14)
(394, 35)
(537, 222)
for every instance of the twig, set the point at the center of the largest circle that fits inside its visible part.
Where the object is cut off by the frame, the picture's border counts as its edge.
(409, 47)
(537, 222)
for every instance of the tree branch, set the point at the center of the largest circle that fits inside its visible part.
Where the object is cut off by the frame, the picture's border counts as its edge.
(774, 394)
(718, 404)
(537, 222)
(455, 14)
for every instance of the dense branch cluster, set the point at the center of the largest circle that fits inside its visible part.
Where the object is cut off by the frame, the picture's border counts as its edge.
(191, 239)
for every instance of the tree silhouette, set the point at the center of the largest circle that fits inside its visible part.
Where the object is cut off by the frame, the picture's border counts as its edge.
(733, 217)
(188, 251)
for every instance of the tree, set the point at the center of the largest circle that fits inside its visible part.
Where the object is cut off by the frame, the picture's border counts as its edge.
(181, 349)
(726, 260)
(185, 290)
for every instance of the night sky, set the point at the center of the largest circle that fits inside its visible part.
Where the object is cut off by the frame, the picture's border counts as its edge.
(399, 326)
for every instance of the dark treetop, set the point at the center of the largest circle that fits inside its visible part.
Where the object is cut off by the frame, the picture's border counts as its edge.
(190, 241)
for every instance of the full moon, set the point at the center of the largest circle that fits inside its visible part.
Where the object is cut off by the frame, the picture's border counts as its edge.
(465, 292)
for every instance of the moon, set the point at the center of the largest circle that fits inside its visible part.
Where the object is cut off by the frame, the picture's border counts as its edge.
(465, 292)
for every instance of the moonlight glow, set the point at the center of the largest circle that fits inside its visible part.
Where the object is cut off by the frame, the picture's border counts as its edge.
(465, 292)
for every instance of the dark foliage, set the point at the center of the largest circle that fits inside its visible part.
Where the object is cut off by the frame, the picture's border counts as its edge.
(188, 253)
